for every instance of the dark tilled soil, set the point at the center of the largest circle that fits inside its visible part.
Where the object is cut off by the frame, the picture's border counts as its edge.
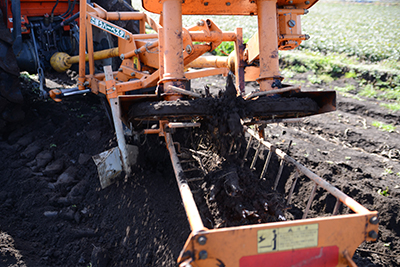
(53, 212)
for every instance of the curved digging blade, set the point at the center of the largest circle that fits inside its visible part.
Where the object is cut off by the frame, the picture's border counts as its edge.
(109, 164)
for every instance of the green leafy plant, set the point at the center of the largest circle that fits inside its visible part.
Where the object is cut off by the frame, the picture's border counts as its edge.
(345, 89)
(368, 91)
(384, 193)
(384, 127)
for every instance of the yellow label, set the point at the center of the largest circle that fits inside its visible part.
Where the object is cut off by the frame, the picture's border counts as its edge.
(287, 238)
(136, 62)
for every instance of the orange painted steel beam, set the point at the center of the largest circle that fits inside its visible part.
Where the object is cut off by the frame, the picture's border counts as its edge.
(82, 45)
(268, 44)
(233, 246)
(213, 36)
(209, 62)
(194, 74)
(172, 48)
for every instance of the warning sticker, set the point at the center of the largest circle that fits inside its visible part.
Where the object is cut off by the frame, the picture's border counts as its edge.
(287, 238)
(107, 27)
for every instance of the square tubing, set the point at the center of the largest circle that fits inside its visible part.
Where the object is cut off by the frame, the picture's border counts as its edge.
(270, 75)
(172, 48)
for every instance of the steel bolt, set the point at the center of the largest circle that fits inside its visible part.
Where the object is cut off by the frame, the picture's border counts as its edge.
(373, 234)
(113, 88)
(374, 220)
(122, 56)
(228, 3)
(307, 36)
(202, 240)
(132, 74)
(306, 11)
(200, 23)
(120, 69)
(290, 2)
(128, 37)
(307, 2)
(203, 255)
(206, 3)
(291, 23)
(188, 49)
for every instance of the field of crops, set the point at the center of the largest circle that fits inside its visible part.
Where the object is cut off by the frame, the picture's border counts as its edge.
(368, 31)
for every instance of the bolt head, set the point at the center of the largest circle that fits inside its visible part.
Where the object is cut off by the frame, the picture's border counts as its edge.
(206, 3)
(373, 234)
(374, 220)
(200, 23)
(291, 23)
(188, 49)
(307, 2)
(203, 255)
(202, 240)
(228, 3)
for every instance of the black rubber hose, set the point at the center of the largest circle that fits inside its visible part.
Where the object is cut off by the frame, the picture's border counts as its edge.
(67, 21)
(52, 11)
(69, 8)
(17, 34)
(72, 9)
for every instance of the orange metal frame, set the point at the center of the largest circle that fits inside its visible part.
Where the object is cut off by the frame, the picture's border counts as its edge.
(331, 241)
(162, 59)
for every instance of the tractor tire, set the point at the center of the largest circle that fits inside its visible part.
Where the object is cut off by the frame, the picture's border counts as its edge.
(11, 99)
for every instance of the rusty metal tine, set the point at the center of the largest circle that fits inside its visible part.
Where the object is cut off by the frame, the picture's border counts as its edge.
(195, 179)
(337, 206)
(278, 176)
(310, 200)
(230, 148)
(348, 201)
(281, 165)
(255, 156)
(247, 149)
(191, 170)
(178, 147)
(266, 164)
(296, 176)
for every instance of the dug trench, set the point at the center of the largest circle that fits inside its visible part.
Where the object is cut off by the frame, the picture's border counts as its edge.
(53, 212)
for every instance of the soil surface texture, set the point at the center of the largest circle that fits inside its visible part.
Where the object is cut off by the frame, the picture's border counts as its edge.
(54, 213)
